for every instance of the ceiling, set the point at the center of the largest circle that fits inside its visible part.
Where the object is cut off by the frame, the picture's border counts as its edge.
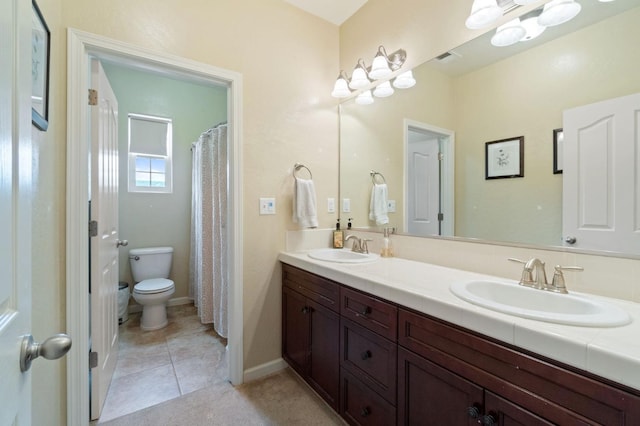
(334, 11)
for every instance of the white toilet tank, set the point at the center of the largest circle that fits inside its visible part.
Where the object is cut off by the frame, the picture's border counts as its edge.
(151, 262)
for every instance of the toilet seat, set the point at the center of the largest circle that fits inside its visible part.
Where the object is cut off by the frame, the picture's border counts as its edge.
(153, 286)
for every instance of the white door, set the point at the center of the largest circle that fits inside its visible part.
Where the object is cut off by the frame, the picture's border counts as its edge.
(601, 177)
(423, 203)
(15, 216)
(104, 246)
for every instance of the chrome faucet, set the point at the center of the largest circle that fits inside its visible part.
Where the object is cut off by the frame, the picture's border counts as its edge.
(359, 244)
(539, 280)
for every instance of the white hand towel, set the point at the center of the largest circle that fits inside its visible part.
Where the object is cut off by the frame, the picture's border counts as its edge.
(304, 204)
(378, 205)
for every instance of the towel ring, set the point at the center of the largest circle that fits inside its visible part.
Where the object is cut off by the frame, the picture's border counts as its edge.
(299, 166)
(373, 177)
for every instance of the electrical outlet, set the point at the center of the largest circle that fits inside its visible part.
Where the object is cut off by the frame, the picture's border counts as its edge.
(391, 206)
(267, 206)
(346, 205)
(331, 205)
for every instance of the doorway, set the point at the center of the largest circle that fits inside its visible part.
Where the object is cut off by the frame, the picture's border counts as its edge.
(428, 179)
(82, 46)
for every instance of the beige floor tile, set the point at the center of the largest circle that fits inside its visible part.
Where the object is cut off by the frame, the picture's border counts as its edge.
(136, 391)
(202, 371)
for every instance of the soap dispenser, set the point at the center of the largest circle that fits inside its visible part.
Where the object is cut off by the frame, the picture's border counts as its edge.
(387, 250)
(338, 236)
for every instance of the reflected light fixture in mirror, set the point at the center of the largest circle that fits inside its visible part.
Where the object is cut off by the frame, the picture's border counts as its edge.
(383, 90)
(364, 98)
(509, 33)
(404, 80)
(483, 14)
(558, 12)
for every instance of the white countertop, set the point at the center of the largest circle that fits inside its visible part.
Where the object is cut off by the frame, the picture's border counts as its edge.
(613, 353)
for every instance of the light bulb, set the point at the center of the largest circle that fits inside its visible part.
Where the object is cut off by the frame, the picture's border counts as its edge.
(533, 28)
(379, 67)
(383, 90)
(483, 14)
(359, 78)
(404, 80)
(364, 98)
(340, 89)
(558, 12)
(509, 33)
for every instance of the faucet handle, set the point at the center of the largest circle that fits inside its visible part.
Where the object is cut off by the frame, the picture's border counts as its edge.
(558, 284)
(363, 245)
(527, 275)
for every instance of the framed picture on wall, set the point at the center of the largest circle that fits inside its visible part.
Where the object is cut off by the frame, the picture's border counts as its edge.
(504, 158)
(40, 44)
(558, 143)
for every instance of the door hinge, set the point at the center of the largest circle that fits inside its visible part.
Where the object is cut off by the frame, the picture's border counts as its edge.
(93, 97)
(440, 156)
(440, 217)
(93, 228)
(93, 359)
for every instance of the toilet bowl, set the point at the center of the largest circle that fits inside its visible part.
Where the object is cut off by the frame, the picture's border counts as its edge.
(150, 268)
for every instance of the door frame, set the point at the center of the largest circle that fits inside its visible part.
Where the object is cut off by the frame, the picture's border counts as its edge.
(80, 46)
(447, 185)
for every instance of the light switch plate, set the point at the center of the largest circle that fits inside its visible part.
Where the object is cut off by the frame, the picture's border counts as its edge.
(331, 205)
(346, 205)
(267, 206)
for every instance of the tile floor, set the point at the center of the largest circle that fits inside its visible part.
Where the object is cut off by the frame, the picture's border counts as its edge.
(157, 366)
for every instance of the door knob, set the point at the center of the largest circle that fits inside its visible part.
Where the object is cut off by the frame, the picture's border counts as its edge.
(570, 240)
(122, 243)
(54, 347)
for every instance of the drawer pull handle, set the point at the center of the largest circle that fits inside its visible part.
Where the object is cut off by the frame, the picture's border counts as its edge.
(366, 355)
(365, 412)
(473, 412)
(488, 420)
(366, 311)
(305, 310)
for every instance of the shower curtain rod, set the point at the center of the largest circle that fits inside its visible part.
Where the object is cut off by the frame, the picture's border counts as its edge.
(222, 123)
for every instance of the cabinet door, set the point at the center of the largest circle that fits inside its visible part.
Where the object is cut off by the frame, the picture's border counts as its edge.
(295, 330)
(429, 394)
(324, 373)
(506, 413)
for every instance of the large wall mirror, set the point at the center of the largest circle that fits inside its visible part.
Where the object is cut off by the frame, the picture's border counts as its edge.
(475, 94)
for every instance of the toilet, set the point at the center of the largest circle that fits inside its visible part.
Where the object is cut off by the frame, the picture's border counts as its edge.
(150, 269)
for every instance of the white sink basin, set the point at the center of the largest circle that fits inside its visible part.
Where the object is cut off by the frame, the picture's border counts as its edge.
(342, 256)
(511, 298)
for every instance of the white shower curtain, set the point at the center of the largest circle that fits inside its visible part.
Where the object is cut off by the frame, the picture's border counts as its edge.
(208, 280)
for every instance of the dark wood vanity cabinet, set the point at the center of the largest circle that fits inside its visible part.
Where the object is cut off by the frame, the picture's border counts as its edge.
(378, 363)
(311, 331)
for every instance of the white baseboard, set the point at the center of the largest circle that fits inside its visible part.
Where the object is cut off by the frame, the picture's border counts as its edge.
(264, 370)
(133, 308)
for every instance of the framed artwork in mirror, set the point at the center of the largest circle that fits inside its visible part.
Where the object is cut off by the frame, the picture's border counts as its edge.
(504, 158)
(558, 143)
(40, 44)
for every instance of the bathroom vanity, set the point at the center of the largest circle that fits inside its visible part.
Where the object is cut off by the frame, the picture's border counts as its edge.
(382, 349)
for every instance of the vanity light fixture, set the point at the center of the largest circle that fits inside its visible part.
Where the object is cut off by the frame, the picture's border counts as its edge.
(531, 25)
(483, 14)
(558, 12)
(364, 98)
(383, 65)
(509, 33)
(341, 88)
(383, 90)
(523, 2)
(404, 80)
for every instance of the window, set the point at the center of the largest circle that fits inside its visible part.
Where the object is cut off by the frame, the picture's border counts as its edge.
(150, 147)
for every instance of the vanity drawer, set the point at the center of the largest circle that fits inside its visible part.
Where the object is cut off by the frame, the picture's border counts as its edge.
(376, 315)
(370, 357)
(318, 289)
(359, 405)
